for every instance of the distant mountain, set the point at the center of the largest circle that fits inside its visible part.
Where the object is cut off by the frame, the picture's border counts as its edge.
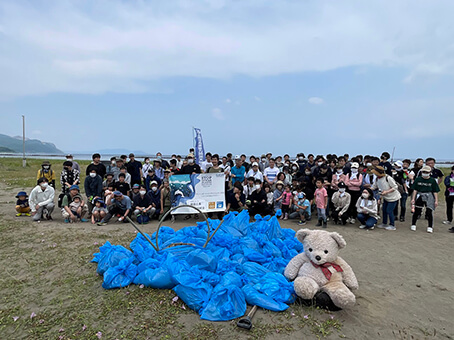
(14, 144)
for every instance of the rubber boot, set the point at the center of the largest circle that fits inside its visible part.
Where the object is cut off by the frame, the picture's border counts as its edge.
(324, 224)
(319, 224)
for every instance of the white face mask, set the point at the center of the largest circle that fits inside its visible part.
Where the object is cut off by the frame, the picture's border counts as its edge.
(46, 167)
(190, 161)
(425, 175)
(319, 163)
(113, 162)
(294, 168)
(341, 190)
(339, 171)
(354, 171)
(147, 161)
(307, 173)
(368, 164)
(365, 196)
(258, 186)
(394, 172)
(263, 160)
(142, 192)
(154, 188)
(44, 185)
(92, 174)
(301, 158)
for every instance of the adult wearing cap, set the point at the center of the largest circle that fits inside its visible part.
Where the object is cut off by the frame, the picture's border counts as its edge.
(238, 172)
(93, 188)
(151, 178)
(354, 181)
(425, 194)
(66, 212)
(119, 204)
(390, 196)
(75, 165)
(69, 176)
(47, 173)
(341, 200)
(134, 169)
(255, 172)
(97, 165)
(191, 167)
(42, 200)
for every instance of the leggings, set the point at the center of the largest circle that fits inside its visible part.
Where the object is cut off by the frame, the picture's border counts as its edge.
(418, 210)
(403, 206)
(449, 206)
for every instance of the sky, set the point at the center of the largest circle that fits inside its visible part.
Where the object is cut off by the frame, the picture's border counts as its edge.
(357, 77)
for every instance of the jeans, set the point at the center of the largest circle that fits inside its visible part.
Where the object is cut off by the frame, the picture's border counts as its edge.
(403, 206)
(388, 211)
(367, 220)
(321, 213)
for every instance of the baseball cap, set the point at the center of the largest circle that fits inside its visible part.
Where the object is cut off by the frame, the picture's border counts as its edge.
(255, 164)
(74, 187)
(153, 182)
(136, 186)
(237, 157)
(426, 168)
(301, 195)
(117, 193)
(355, 165)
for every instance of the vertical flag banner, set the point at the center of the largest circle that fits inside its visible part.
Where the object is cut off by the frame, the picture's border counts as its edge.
(199, 149)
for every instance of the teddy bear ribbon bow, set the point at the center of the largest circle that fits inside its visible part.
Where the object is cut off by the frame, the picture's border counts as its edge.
(325, 268)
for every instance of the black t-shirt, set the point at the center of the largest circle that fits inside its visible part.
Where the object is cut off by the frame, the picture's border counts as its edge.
(387, 166)
(258, 196)
(134, 169)
(233, 201)
(100, 169)
(190, 168)
(122, 187)
(143, 202)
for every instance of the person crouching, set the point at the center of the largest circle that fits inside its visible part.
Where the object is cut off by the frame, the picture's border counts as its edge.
(22, 206)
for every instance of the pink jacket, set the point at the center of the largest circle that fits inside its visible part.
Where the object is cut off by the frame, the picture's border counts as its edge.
(354, 184)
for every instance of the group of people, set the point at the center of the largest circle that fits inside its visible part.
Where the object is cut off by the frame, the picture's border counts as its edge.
(339, 188)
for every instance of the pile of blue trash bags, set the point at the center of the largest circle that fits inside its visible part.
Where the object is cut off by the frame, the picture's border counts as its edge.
(242, 264)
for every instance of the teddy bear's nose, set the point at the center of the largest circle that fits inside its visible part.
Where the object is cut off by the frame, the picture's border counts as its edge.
(318, 258)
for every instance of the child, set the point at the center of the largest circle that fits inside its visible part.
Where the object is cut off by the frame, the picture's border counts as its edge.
(75, 205)
(425, 194)
(321, 201)
(269, 198)
(303, 207)
(286, 202)
(277, 195)
(99, 211)
(122, 186)
(22, 206)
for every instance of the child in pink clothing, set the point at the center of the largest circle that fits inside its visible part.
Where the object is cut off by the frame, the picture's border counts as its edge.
(321, 201)
(286, 198)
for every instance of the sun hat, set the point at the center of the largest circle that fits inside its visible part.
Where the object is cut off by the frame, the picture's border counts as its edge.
(379, 171)
(21, 193)
(279, 183)
(355, 165)
(426, 168)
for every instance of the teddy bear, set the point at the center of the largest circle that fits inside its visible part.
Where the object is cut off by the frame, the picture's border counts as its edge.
(320, 269)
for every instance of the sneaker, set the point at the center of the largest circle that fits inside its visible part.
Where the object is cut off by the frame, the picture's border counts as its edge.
(66, 220)
(352, 221)
(286, 217)
(27, 214)
(390, 227)
(451, 230)
(282, 217)
(402, 219)
(430, 230)
(49, 218)
(382, 226)
(371, 228)
(349, 220)
(413, 228)
(362, 226)
(83, 220)
(101, 223)
(444, 222)
(18, 214)
(301, 222)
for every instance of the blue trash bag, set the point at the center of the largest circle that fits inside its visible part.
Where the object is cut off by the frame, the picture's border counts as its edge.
(274, 229)
(121, 275)
(254, 272)
(203, 259)
(239, 258)
(142, 248)
(229, 225)
(150, 273)
(255, 298)
(175, 266)
(277, 265)
(226, 303)
(254, 256)
(165, 233)
(227, 266)
(269, 249)
(231, 278)
(110, 256)
(277, 287)
(192, 289)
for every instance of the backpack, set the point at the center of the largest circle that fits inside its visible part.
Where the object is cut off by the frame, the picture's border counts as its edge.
(143, 219)
(400, 187)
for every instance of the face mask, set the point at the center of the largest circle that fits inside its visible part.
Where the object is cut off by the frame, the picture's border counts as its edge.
(339, 171)
(263, 160)
(368, 164)
(307, 173)
(159, 157)
(319, 163)
(92, 174)
(258, 186)
(113, 162)
(44, 185)
(354, 171)
(190, 161)
(154, 188)
(425, 175)
(147, 162)
(342, 190)
(394, 172)
(294, 168)
(301, 158)
(142, 192)
(365, 196)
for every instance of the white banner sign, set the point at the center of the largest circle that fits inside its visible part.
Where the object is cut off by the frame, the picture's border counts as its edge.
(203, 191)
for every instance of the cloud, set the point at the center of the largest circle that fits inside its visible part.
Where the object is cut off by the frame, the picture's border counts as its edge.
(228, 101)
(217, 113)
(257, 99)
(131, 46)
(315, 100)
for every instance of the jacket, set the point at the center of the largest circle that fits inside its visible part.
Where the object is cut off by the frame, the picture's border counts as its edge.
(385, 183)
(370, 207)
(40, 197)
(354, 184)
(341, 203)
(93, 186)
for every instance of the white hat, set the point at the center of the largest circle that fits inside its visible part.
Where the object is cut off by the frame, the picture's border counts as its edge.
(255, 164)
(398, 164)
(355, 165)
(153, 182)
(237, 157)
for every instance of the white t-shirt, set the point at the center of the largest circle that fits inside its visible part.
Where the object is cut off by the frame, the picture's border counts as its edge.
(256, 175)
(205, 165)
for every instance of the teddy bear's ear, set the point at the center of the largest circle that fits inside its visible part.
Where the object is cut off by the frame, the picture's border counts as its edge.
(302, 233)
(339, 239)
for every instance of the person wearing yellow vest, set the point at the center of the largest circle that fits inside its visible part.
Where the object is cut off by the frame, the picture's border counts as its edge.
(47, 173)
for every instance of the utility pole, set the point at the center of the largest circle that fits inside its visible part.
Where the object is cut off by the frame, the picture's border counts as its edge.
(24, 161)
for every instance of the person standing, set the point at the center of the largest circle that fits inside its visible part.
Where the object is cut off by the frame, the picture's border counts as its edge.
(390, 196)
(75, 165)
(93, 189)
(42, 200)
(47, 173)
(449, 196)
(69, 176)
(425, 194)
(135, 170)
(238, 172)
(191, 167)
(97, 165)
(270, 173)
(354, 181)
(321, 201)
